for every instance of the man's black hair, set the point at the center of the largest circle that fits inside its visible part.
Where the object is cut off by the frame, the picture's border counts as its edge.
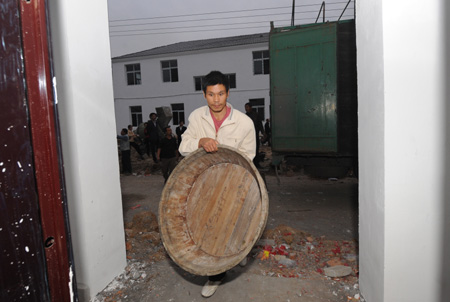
(125, 130)
(214, 78)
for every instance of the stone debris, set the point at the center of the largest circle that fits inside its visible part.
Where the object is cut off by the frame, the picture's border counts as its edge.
(287, 262)
(334, 262)
(135, 274)
(351, 257)
(310, 254)
(338, 271)
(263, 242)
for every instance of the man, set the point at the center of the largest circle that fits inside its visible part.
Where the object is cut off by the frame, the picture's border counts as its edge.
(152, 136)
(168, 153)
(125, 151)
(214, 124)
(179, 131)
(258, 128)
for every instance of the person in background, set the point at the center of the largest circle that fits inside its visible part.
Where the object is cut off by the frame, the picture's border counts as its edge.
(257, 123)
(268, 131)
(179, 131)
(133, 136)
(168, 153)
(125, 151)
(152, 136)
(214, 124)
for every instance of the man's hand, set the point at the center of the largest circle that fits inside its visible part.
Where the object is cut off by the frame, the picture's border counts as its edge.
(208, 144)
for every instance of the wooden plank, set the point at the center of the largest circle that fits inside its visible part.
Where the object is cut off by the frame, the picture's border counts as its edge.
(242, 181)
(210, 192)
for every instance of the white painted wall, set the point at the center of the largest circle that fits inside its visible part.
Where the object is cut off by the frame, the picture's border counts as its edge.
(401, 135)
(371, 138)
(81, 51)
(153, 92)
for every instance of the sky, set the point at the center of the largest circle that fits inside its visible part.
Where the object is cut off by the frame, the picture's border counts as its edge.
(137, 25)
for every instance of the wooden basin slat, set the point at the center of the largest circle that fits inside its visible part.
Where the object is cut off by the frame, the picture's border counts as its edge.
(240, 184)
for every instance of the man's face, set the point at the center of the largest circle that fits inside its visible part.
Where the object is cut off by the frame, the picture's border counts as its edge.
(153, 117)
(216, 96)
(168, 131)
(248, 108)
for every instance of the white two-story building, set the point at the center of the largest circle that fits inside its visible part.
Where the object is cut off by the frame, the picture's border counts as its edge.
(171, 76)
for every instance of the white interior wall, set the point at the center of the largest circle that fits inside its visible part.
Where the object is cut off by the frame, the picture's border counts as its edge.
(371, 101)
(401, 133)
(82, 65)
(414, 108)
(445, 272)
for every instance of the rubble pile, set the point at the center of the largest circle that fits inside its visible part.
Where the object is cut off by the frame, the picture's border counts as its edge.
(290, 253)
(143, 241)
(135, 277)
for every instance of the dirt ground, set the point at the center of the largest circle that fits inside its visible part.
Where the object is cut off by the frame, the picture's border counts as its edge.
(311, 235)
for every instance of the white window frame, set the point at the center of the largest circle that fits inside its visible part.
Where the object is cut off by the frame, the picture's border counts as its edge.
(137, 115)
(178, 114)
(136, 74)
(260, 61)
(170, 68)
(259, 108)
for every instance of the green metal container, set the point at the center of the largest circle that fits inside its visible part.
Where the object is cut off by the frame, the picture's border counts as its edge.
(313, 89)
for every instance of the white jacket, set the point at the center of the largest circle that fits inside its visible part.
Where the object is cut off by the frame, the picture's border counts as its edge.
(236, 131)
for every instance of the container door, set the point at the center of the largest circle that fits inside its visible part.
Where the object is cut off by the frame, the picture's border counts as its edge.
(303, 89)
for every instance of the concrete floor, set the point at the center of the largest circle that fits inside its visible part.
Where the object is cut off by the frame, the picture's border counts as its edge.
(322, 207)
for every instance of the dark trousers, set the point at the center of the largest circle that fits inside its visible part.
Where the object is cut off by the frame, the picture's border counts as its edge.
(256, 158)
(136, 147)
(152, 146)
(167, 166)
(126, 161)
(217, 277)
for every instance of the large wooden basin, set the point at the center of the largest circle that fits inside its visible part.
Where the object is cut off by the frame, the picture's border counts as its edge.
(213, 209)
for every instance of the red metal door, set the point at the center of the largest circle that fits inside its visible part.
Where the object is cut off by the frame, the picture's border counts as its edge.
(34, 235)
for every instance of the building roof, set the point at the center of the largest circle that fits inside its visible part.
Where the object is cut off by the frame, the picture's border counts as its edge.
(201, 44)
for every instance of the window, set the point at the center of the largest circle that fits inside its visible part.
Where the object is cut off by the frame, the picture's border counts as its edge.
(133, 72)
(136, 115)
(178, 113)
(169, 71)
(198, 81)
(258, 106)
(261, 62)
(232, 80)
